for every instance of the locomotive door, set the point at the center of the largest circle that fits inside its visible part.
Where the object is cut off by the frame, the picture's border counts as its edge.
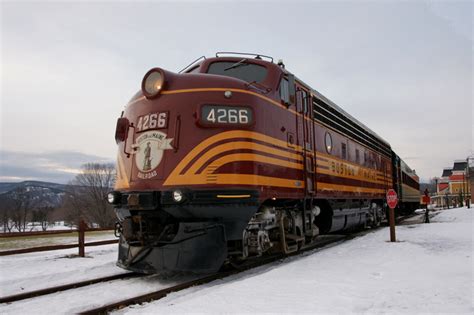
(305, 138)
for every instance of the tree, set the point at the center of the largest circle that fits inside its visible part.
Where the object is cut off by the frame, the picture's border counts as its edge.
(6, 205)
(86, 195)
(22, 204)
(41, 215)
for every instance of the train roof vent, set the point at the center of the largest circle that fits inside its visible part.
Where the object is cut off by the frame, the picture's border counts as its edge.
(230, 53)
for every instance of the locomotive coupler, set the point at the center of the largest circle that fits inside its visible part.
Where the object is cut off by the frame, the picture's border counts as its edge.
(198, 247)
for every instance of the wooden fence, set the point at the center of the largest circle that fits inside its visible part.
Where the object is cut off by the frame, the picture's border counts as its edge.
(81, 244)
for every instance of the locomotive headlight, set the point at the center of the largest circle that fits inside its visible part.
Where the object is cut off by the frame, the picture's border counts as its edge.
(113, 197)
(178, 196)
(153, 83)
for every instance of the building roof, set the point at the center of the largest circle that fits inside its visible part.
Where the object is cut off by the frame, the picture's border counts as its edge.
(459, 165)
(447, 172)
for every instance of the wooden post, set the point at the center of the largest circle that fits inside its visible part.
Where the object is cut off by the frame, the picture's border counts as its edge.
(391, 219)
(392, 200)
(81, 232)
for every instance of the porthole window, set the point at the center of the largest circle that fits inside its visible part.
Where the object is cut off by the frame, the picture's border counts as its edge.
(328, 142)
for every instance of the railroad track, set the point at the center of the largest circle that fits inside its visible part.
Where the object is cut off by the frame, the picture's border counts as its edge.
(324, 240)
(156, 295)
(50, 290)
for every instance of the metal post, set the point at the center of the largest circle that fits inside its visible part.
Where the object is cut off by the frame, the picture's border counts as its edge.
(427, 214)
(391, 219)
(469, 195)
(81, 230)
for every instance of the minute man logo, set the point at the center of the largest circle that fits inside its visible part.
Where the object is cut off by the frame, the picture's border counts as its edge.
(148, 150)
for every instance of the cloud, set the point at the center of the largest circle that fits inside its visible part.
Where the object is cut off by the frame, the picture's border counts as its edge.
(402, 68)
(55, 166)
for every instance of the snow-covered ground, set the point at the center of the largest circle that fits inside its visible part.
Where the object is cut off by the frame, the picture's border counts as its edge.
(28, 272)
(429, 270)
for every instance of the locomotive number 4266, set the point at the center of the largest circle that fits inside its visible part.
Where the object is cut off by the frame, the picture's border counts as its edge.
(215, 114)
(152, 121)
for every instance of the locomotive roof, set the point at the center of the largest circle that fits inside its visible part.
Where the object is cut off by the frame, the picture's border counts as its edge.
(257, 58)
(343, 112)
(325, 99)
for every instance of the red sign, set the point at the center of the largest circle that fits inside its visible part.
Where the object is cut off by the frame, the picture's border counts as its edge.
(426, 200)
(392, 198)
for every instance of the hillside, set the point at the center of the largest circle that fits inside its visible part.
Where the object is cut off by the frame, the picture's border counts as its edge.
(50, 193)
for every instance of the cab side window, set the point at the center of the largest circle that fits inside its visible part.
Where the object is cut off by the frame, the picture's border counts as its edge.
(284, 95)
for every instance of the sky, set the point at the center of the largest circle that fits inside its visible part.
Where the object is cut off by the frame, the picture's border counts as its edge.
(404, 69)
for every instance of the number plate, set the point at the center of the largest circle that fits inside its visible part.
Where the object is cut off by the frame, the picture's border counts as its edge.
(152, 121)
(226, 115)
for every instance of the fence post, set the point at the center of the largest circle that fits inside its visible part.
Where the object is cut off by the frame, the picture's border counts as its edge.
(81, 230)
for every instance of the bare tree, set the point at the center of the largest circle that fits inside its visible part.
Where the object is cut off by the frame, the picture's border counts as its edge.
(87, 194)
(22, 204)
(6, 212)
(41, 215)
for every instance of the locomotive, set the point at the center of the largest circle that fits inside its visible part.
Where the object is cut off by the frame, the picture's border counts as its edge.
(234, 158)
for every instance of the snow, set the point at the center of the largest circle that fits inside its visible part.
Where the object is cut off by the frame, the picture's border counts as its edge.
(28, 272)
(429, 270)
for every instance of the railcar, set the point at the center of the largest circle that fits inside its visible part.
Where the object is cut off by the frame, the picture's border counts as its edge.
(234, 158)
(406, 184)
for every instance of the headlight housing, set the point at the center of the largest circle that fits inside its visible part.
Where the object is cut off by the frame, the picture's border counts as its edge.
(113, 197)
(178, 196)
(153, 82)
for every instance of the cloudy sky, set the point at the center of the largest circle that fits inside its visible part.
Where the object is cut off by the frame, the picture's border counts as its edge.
(68, 68)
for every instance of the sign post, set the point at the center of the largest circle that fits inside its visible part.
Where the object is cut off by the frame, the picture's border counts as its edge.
(392, 201)
(426, 201)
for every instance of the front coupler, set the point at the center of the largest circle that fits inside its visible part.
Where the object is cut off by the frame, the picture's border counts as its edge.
(198, 247)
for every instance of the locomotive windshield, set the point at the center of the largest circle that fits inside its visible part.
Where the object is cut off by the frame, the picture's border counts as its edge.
(242, 70)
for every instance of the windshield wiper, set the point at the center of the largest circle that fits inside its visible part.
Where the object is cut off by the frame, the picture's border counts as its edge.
(238, 64)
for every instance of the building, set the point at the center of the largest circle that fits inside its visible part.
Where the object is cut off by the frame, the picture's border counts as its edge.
(453, 187)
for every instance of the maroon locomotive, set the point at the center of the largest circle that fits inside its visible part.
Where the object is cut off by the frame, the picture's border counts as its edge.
(236, 158)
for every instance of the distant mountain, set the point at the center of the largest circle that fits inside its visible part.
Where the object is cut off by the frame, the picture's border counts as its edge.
(49, 193)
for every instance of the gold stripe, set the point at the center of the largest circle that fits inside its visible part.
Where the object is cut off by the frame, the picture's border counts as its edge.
(233, 196)
(238, 157)
(338, 159)
(175, 178)
(240, 145)
(332, 187)
(355, 177)
(235, 179)
(257, 180)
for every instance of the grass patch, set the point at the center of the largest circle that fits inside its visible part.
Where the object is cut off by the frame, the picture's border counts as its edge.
(52, 239)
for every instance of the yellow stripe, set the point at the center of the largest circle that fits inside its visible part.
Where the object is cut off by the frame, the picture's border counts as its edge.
(233, 196)
(257, 180)
(240, 145)
(239, 157)
(196, 90)
(355, 177)
(175, 178)
(234, 179)
(338, 159)
(333, 187)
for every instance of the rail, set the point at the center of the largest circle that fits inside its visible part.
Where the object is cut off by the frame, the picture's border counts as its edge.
(64, 287)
